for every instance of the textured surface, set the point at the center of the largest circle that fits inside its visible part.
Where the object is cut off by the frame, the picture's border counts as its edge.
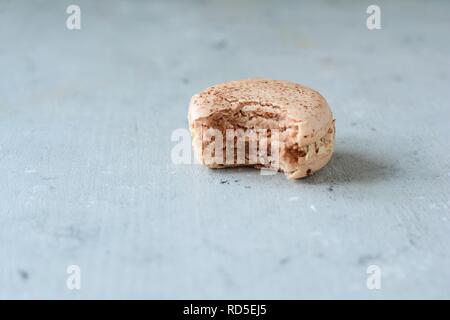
(86, 176)
(289, 100)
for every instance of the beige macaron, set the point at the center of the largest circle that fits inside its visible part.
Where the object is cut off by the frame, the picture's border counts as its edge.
(290, 124)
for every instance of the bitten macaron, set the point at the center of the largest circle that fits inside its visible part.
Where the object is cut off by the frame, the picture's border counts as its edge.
(293, 122)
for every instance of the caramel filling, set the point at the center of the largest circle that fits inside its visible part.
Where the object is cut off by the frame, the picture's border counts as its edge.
(239, 132)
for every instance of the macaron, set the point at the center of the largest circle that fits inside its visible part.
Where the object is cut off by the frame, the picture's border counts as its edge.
(262, 123)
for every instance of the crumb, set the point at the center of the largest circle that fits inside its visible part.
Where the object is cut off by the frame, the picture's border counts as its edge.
(23, 274)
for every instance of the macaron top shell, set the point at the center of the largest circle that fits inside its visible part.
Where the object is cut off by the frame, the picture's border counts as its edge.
(299, 105)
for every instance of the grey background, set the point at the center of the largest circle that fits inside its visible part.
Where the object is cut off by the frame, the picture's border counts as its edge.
(86, 176)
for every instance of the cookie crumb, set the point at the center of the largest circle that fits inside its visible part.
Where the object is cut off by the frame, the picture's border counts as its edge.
(23, 274)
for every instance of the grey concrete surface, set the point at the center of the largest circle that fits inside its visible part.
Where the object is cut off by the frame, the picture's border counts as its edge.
(86, 176)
